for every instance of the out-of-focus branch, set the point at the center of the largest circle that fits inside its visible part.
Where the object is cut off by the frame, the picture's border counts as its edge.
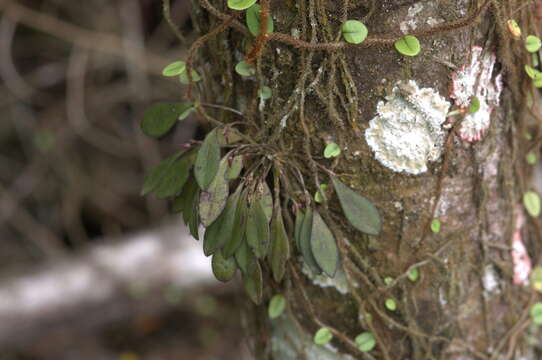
(93, 40)
(101, 285)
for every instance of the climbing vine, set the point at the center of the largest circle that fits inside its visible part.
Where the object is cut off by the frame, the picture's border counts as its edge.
(246, 182)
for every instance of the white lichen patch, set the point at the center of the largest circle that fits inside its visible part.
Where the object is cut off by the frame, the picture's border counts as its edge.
(476, 80)
(407, 133)
(490, 279)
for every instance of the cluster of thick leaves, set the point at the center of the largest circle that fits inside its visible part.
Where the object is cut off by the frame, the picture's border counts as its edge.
(315, 240)
(242, 229)
(245, 227)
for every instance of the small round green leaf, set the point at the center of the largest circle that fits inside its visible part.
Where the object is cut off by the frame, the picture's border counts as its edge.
(253, 20)
(413, 274)
(409, 45)
(183, 78)
(435, 226)
(174, 69)
(391, 305)
(354, 32)
(532, 73)
(223, 268)
(531, 201)
(245, 69)
(513, 28)
(276, 306)
(318, 196)
(533, 43)
(332, 150)
(474, 105)
(536, 313)
(265, 93)
(240, 4)
(323, 336)
(365, 341)
(388, 280)
(531, 158)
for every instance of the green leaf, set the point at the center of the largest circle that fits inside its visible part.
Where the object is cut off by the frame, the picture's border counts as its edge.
(183, 78)
(305, 243)
(531, 201)
(223, 268)
(187, 203)
(323, 336)
(263, 194)
(359, 211)
(190, 195)
(253, 20)
(474, 105)
(513, 28)
(189, 110)
(391, 305)
(153, 178)
(365, 341)
(533, 43)
(257, 231)
(253, 282)
(332, 150)
(536, 59)
(536, 279)
(217, 234)
(388, 280)
(174, 69)
(413, 274)
(234, 168)
(280, 246)
(276, 306)
(536, 313)
(354, 32)
(207, 161)
(244, 256)
(175, 176)
(213, 201)
(318, 195)
(245, 69)
(158, 119)
(265, 92)
(409, 45)
(531, 158)
(435, 226)
(193, 219)
(300, 215)
(532, 73)
(323, 246)
(236, 236)
(240, 4)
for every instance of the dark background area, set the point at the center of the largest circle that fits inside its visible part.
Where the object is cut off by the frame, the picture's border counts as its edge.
(75, 78)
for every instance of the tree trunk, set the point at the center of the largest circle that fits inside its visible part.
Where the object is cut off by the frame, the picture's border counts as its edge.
(470, 300)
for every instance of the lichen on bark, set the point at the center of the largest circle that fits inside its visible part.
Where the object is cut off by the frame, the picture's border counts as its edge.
(447, 313)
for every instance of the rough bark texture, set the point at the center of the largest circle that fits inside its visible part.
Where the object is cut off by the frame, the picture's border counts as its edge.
(464, 306)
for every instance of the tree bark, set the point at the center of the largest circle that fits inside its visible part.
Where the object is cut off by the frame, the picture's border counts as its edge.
(466, 303)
